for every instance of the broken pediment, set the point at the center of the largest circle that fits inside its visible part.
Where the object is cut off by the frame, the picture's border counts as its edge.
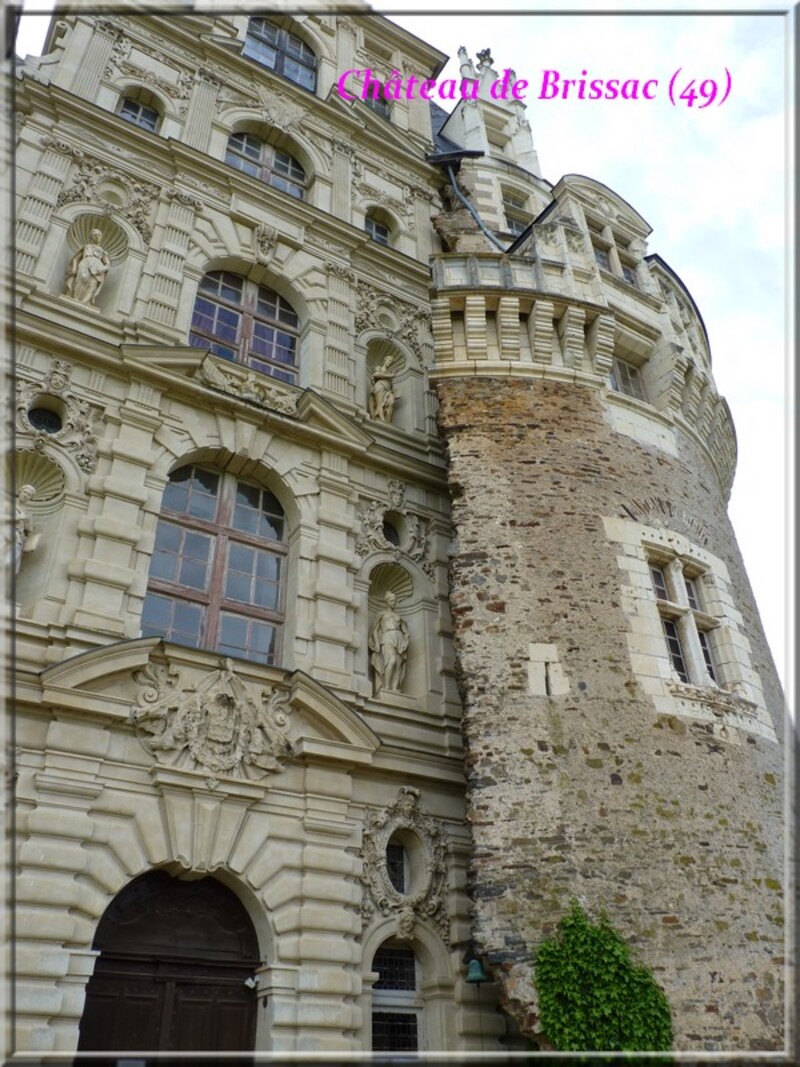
(198, 711)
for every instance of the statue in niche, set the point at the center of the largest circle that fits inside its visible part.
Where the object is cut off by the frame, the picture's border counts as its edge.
(25, 537)
(382, 397)
(388, 644)
(87, 271)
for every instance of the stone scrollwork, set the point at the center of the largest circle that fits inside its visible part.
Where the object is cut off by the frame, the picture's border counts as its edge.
(87, 185)
(371, 537)
(247, 385)
(77, 425)
(425, 898)
(215, 726)
(369, 302)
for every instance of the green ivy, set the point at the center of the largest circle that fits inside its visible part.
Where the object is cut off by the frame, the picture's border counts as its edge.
(592, 997)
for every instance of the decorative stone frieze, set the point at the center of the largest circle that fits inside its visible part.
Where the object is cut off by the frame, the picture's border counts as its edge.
(247, 385)
(424, 838)
(81, 423)
(215, 726)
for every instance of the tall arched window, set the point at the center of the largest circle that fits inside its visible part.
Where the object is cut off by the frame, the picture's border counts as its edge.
(216, 572)
(396, 1000)
(251, 154)
(281, 51)
(249, 323)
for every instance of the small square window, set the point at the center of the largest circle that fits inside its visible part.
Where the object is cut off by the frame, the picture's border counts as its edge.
(629, 274)
(377, 231)
(601, 258)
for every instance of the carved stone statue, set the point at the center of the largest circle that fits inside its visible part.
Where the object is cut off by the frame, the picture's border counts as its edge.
(388, 643)
(25, 539)
(87, 270)
(382, 397)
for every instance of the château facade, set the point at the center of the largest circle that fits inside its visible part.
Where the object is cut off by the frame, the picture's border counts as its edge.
(374, 590)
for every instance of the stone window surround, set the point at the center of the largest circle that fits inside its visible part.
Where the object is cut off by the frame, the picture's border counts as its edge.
(621, 264)
(738, 698)
(146, 101)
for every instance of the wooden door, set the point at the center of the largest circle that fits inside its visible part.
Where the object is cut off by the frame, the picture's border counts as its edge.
(174, 957)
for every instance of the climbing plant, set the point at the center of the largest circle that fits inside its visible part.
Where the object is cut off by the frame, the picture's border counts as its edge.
(591, 995)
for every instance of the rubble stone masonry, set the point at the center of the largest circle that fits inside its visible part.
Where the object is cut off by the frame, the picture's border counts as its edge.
(581, 782)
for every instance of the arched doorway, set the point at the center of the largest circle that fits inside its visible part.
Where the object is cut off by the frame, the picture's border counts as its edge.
(174, 958)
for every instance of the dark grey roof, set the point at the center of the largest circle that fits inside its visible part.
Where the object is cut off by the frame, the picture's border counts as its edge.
(438, 118)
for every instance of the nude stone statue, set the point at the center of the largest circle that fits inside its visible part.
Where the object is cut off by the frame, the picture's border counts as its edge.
(382, 397)
(87, 270)
(25, 538)
(388, 643)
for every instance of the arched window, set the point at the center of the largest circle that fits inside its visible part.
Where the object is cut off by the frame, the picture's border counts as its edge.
(216, 572)
(396, 1000)
(281, 51)
(249, 323)
(250, 154)
(141, 108)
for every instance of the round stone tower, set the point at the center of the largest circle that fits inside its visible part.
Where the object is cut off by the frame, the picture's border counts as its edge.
(622, 714)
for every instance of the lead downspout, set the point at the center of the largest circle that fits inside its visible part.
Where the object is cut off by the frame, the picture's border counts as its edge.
(471, 209)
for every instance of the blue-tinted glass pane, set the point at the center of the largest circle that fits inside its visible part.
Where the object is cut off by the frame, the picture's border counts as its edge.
(262, 642)
(156, 615)
(241, 558)
(193, 574)
(187, 622)
(268, 566)
(265, 594)
(238, 587)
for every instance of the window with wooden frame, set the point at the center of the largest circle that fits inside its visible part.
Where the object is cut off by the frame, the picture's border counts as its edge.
(245, 322)
(139, 107)
(626, 379)
(252, 155)
(397, 1006)
(217, 566)
(377, 230)
(281, 51)
(688, 629)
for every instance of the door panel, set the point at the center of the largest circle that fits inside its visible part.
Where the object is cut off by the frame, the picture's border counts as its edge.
(154, 993)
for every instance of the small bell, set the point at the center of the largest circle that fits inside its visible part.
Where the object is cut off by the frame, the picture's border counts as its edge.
(475, 972)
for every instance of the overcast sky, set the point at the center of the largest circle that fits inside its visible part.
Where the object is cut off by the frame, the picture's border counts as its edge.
(712, 183)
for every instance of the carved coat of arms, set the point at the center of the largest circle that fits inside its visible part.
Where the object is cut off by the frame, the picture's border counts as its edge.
(215, 726)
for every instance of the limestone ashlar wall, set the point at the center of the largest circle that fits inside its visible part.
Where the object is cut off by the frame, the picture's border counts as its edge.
(658, 811)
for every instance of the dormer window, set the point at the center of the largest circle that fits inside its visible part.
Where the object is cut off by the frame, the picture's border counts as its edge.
(515, 207)
(140, 111)
(378, 231)
(282, 52)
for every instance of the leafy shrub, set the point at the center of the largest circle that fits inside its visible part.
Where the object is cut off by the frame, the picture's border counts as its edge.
(592, 997)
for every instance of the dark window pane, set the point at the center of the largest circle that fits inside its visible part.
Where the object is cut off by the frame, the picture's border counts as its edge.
(394, 1031)
(396, 866)
(659, 583)
(396, 967)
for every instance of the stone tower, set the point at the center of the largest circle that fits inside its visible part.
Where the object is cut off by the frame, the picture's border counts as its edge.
(622, 715)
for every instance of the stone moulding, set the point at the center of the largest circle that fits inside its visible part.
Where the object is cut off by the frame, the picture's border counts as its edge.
(427, 898)
(215, 725)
